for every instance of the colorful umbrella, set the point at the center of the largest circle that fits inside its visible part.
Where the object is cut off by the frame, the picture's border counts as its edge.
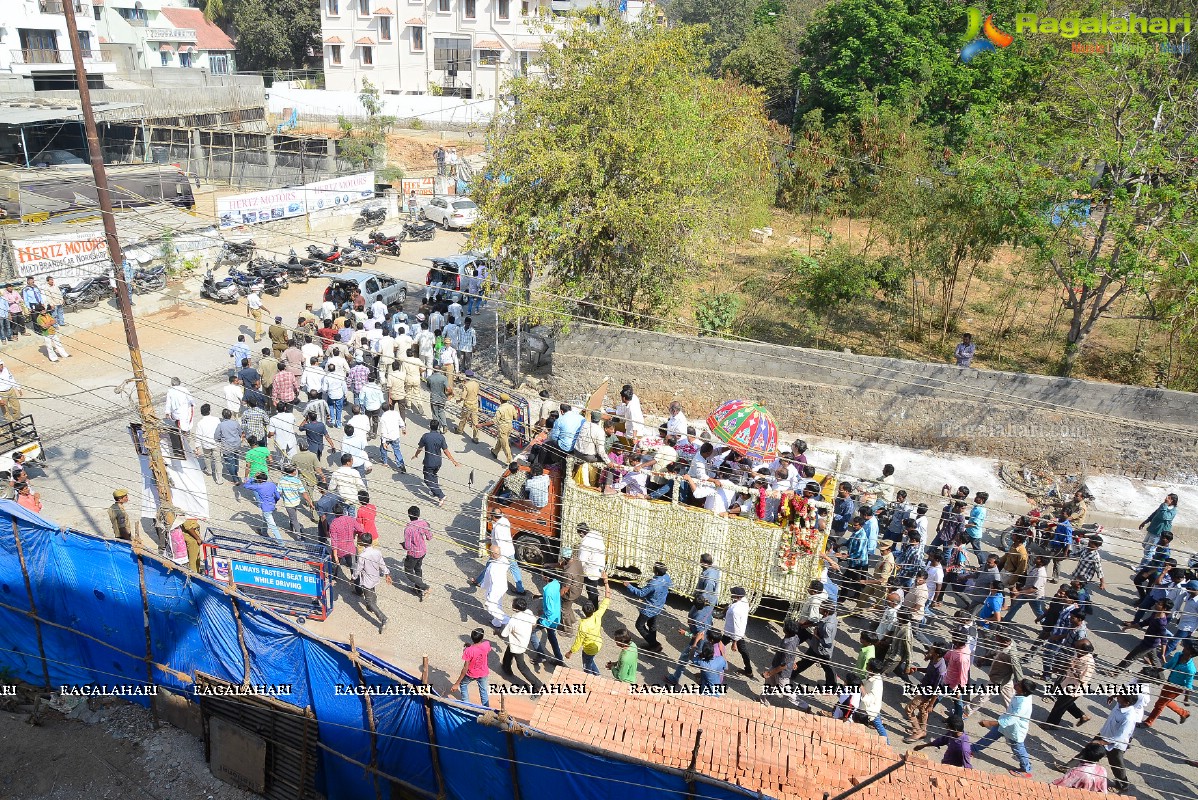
(746, 427)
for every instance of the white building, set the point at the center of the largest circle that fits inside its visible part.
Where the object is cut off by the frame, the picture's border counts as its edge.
(35, 50)
(150, 34)
(459, 47)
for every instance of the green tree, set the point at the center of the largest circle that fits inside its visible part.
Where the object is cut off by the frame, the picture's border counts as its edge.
(765, 59)
(364, 144)
(725, 23)
(278, 34)
(616, 168)
(1105, 167)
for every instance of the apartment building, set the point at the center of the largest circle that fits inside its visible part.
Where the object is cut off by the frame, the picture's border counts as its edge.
(35, 50)
(454, 47)
(151, 34)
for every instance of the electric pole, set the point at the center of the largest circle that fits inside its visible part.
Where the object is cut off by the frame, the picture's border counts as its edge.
(150, 422)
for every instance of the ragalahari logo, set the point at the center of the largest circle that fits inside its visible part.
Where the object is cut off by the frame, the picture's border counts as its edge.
(982, 36)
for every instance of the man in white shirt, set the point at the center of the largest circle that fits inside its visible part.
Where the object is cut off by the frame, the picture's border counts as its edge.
(455, 311)
(256, 311)
(501, 537)
(629, 410)
(337, 362)
(311, 350)
(353, 443)
(346, 482)
(676, 424)
(589, 445)
(736, 620)
(234, 394)
(592, 555)
(203, 437)
(392, 426)
(518, 632)
(494, 586)
(378, 310)
(452, 333)
(312, 379)
(716, 493)
(635, 482)
(1116, 734)
(282, 430)
(10, 391)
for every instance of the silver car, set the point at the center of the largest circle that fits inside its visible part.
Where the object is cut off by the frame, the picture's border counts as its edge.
(451, 212)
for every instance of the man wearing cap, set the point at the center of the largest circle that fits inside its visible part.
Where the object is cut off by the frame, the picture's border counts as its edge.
(192, 538)
(876, 585)
(278, 337)
(118, 517)
(10, 394)
(468, 418)
(256, 311)
(505, 416)
(654, 594)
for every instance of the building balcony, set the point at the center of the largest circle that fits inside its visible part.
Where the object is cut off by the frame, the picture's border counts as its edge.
(34, 58)
(56, 6)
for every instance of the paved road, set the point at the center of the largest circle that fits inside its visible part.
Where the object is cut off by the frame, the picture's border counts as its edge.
(83, 421)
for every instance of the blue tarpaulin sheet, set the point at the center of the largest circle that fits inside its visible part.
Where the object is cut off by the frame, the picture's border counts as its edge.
(87, 604)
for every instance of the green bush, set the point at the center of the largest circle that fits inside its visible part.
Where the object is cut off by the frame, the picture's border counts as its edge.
(717, 313)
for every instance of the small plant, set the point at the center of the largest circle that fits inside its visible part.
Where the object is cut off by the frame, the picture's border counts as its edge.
(717, 313)
(167, 252)
(435, 89)
(189, 265)
(416, 124)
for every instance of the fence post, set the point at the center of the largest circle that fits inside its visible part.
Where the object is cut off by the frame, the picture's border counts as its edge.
(434, 751)
(691, 791)
(37, 624)
(511, 759)
(245, 651)
(368, 702)
(145, 609)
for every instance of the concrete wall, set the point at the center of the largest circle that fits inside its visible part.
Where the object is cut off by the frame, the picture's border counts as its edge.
(167, 102)
(433, 112)
(1067, 424)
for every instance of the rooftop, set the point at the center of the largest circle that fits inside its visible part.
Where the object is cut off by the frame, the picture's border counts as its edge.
(208, 36)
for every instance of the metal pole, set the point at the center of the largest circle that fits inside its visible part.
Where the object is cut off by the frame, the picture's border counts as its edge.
(871, 779)
(166, 515)
(24, 146)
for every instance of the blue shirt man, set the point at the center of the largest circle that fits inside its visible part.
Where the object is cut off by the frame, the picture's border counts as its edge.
(551, 605)
(239, 351)
(32, 295)
(871, 532)
(654, 594)
(842, 513)
(565, 430)
(267, 493)
(858, 547)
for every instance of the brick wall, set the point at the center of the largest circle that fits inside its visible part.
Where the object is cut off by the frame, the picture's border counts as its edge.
(1067, 424)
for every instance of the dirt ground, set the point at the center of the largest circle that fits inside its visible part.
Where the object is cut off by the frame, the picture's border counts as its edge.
(413, 150)
(112, 752)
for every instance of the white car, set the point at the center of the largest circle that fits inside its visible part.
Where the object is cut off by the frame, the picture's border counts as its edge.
(451, 212)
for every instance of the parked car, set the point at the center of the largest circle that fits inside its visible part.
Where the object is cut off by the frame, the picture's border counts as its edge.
(451, 212)
(373, 286)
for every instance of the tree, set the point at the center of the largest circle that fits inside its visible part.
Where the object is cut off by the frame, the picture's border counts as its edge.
(616, 167)
(365, 145)
(279, 34)
(765, 59)
(1106, 169)
(725, 24)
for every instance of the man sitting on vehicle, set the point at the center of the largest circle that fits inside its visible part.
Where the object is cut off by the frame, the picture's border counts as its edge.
(536, 488)
(513, 483)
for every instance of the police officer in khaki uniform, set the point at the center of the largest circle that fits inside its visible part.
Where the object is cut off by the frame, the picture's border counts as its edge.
(192, 538)
(505, 415)
(118, 517)
(469, 416)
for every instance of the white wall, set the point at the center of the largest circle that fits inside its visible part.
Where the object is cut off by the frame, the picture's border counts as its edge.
(330, 104)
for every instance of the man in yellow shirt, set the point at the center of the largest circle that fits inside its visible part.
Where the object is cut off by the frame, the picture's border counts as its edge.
(589, 637)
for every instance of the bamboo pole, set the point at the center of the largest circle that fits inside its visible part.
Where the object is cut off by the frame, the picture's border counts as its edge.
(145, 608)
(37, 626)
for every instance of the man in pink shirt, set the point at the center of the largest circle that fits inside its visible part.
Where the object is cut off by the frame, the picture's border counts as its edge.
(416, 535)
(957, 662)
(343, 536)
(475, 668)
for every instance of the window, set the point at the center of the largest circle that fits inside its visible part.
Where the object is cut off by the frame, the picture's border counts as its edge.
(367, 56)
(488, 58)
(166, 58)
(364, 8)
(470, 9)
(417, 39)
(185, 59)
(451, 55)
(503, 9)
(334, 8)
(443, 6)
(372, 286)
(85, 43)
(98, 11)
(218, 63)
(385, 28)
(525, 7)
(522, 59)
(335, 54)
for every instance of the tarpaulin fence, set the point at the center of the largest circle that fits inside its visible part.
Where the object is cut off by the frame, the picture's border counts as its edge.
(80, 610)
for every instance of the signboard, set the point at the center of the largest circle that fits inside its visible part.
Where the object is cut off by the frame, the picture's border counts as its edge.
(68, 258)
(276, 579)
(422, 186)
(250, 209)
(488, 404)
(171, 34)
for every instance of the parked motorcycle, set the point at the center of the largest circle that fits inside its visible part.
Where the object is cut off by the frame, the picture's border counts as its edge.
(369, 217)
(245, 282)
(271, 279)
(232, 253)
(149, 280)
(389, 245)
(310, 267)
(359, 249)
(419, 231)
(87, 293)
(333, 260)
(222, 291)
